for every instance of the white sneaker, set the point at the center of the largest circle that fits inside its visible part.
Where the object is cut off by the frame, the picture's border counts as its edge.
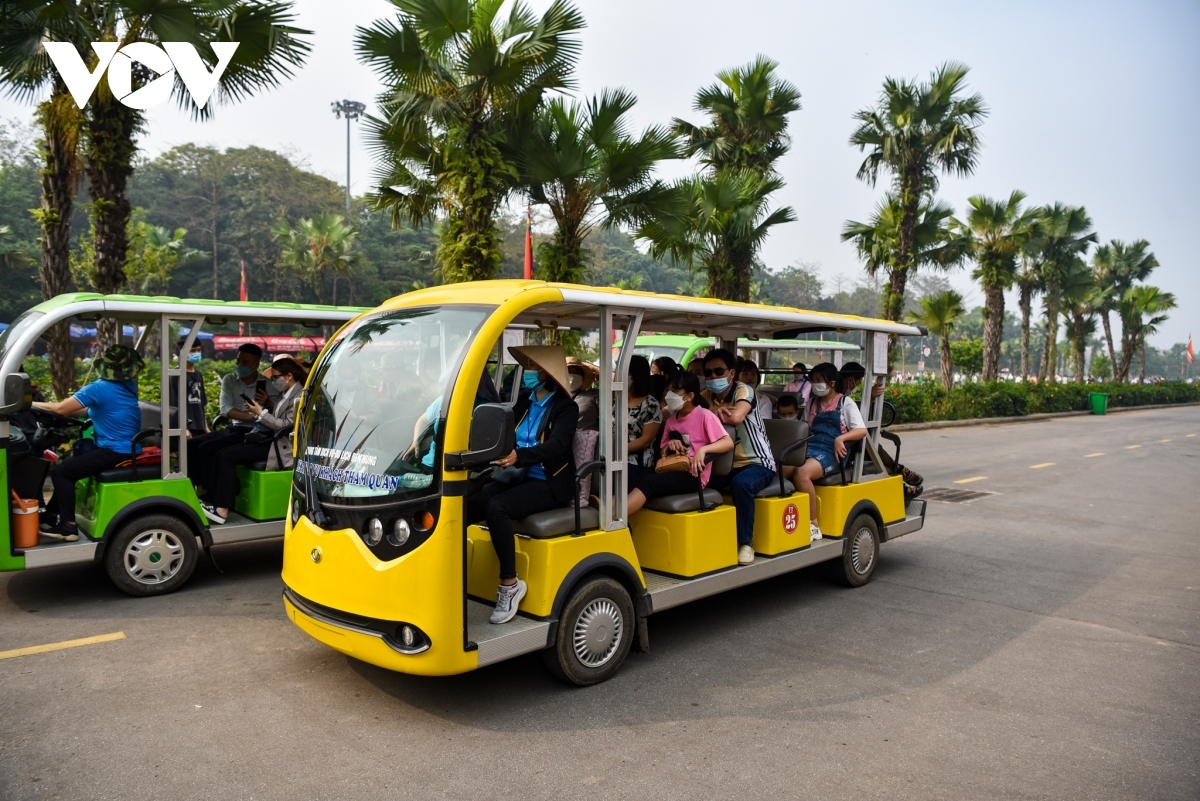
(745, 555)
(508, 598)
(211, 514)
(814, 532)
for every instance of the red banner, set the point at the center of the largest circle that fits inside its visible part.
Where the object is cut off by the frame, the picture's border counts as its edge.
(273, 345)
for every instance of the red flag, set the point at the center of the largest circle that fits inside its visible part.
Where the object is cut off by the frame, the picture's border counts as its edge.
(529, 243)
(1191, 351)
(242, 297)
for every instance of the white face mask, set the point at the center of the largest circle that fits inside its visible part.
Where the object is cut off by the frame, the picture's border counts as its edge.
(574, 382)
(673, 401)
(820, 390)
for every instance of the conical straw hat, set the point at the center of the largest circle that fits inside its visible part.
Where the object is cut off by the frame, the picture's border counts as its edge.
(550, 358)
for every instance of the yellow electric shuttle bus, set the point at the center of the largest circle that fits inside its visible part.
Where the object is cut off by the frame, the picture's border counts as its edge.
(381, 564)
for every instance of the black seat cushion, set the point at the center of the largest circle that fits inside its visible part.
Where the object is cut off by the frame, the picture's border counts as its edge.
(689, 502)
(115, 474)
(772, 489)
(556, 522)
(262, 465)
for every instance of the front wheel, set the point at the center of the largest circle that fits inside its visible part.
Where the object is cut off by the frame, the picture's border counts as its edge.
(594, 634)
(861, 553)
(152, 555)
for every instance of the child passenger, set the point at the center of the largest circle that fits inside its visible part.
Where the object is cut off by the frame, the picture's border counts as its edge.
(834, 421)
(698, 433)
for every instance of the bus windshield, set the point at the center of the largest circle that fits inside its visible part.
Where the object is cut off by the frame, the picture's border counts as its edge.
(369, 426)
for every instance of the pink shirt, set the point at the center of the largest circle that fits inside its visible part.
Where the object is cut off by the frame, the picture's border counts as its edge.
(700, 428)
(802, 386)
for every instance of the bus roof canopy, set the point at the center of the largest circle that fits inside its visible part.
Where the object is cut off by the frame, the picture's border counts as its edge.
(144, 308)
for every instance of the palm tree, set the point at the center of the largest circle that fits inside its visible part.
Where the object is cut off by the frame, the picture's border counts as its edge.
(155, 253)
(459, 79)
(10, 255)
(724, 222)
(747, 122)
(1078, 293)
(269, 48)
(1143, 308)
(27, 74)
(998, 230)
(938, 313)
(583, 162)
(916, 132)
(317, 248)
(1117, 266)
(1029, 282)
(936, 242)
(1063, 234)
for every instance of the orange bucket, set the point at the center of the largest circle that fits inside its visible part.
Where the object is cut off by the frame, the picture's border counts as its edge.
(24, 522)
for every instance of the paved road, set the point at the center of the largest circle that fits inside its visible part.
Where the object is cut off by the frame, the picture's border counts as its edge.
(1039, 643)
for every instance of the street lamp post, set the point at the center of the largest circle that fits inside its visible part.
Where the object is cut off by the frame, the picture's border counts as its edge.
(351, 110)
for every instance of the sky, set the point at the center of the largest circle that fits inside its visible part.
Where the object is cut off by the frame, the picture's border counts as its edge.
(1087, 101)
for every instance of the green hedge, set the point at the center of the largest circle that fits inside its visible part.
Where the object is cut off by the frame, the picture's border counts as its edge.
(920, 403)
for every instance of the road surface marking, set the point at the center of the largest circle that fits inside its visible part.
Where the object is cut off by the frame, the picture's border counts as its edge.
(1191, 435)
(1131, 447)
(1090, 455)
(1166, 440)
(58, 646)
(969, 480)
(1043, 464)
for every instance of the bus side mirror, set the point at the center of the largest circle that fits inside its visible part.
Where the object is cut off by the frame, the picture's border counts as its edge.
(18, 393)
(493, 435)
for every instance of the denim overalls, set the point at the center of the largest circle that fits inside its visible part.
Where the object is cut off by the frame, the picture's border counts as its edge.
(826, 427)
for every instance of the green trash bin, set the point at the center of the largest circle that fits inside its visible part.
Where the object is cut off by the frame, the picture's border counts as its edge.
(1099, 402)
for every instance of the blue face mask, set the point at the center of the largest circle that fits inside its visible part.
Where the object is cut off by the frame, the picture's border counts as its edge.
(531, 380)
(717, 384)
(244, 372)
(195, 358)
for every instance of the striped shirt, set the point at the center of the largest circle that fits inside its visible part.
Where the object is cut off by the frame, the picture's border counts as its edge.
(752, 446)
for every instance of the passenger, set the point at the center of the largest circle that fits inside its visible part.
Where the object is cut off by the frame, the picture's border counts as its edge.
(544, 475)
(237, 389)
(835, 421)
(197, 396)
(749, 375)
(288, 383)
(691, 429)
(696, 367)
(111, 402)
(735, 404)
(850, 377)
(644, 419)
(799, 384)
(658, 386)
(664, 366)
(582, 377)
(786, 408)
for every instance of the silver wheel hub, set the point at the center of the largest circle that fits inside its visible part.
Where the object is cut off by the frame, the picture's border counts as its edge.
(598, 632)
(154, 556)
(862, 551)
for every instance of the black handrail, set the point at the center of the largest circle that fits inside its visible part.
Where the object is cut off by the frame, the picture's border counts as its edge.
(145, 433)
(800, 443)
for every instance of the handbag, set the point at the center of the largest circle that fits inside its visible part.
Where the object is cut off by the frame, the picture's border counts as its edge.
(673, 463)
(509, 475)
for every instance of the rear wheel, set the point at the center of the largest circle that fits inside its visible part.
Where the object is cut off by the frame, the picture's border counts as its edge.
(152, 555)
(595, 633)
(861, 553)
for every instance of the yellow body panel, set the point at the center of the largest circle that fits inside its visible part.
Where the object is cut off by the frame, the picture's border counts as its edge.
(773, 517)
(541, 564)
(686, 544)
(835, 503)
(423, 587)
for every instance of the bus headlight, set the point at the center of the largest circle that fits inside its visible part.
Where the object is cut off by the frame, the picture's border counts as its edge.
(400, 532)
(373, 532)
(297, 510)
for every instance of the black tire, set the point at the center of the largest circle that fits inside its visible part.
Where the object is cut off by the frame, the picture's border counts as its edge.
(152, 554)
(600, 615)
(861, 552)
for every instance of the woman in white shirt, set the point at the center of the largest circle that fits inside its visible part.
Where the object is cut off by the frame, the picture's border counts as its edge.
(749, 375)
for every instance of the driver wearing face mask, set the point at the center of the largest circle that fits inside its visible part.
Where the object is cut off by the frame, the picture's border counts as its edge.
(288, 383)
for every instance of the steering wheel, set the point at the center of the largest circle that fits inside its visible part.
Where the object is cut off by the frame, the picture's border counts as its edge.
(48, 419)
(889, 414)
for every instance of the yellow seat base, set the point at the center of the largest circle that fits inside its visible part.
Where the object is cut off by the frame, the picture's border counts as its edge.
(688, 544)
(542, 564)
(835, 503)
(781, 524)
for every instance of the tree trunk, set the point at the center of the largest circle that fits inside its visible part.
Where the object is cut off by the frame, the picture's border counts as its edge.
(993, 331)
(60, 124)
(333, 295)
(216, 289)
(1080, 347)
(1121, 372)
(111, 128)
(1108, 340)
(947, 366)
(1049, 366)
(1142, 360)
(1026, 304)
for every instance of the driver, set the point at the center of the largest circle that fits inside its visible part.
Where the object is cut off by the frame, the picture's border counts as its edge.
(112, 404)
